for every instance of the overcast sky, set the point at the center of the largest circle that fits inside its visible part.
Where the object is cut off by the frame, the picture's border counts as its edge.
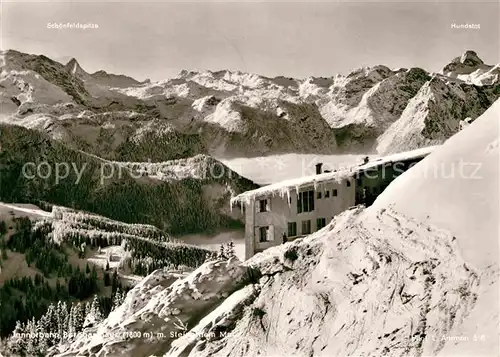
(157, 39)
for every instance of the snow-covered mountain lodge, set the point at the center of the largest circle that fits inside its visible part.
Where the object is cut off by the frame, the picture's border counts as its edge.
(297, 207)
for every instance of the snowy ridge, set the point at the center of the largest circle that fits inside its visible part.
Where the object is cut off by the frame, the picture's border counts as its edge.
(66, 220)
(101, 78)
(227, 117)
(482, 77)
(196, 167)
(27, 88)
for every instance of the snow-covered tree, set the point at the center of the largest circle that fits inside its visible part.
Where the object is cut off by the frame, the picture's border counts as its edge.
(65, 321)
(93, 316)
(71, 321)
(62, 319)
(229, 251)
(17, 342)
(48, 324)
(78, 317)
(118, 298)
(43, 340)
(222, 252)
(32, 338)
(43, 327)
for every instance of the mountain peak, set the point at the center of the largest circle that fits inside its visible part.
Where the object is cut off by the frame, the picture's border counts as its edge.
(74, 67)
(470, 58)
(100, 72)
(72, 62)
(467, 63)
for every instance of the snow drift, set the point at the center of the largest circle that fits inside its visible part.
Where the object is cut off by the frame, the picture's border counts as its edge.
(456, 188)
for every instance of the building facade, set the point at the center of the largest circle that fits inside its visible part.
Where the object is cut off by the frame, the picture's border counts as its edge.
(296, 208)
(269, 218)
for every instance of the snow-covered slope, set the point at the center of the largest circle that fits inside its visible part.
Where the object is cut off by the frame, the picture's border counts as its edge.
(8, 210)
(415, 274)
(457, 189)
(161, 308)
(463, 177)
(236, 114)
(434, 114)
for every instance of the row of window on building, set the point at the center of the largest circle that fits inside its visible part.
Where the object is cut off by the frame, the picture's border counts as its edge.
(319, 194)
(305, 227)
(266, 233)
(305, 200)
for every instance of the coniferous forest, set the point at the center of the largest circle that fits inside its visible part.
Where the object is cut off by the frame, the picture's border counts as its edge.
(176, 206)
(24, 298)
(64, 284)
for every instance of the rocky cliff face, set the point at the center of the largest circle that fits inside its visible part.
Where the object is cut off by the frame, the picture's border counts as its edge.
(432, 115)
(415, 274)
(231, 113)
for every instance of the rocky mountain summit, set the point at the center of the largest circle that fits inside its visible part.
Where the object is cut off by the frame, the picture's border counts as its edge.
(470, 68)
(234, 114)
(102, 77)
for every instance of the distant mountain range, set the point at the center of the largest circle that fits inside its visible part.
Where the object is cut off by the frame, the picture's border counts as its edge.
(235, 114)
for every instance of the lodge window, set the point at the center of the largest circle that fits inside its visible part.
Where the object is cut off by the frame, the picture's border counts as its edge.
(320, 223)
(327, 193)
(265, 234)
(264, 206)
(306, 227)
(292, 229)
(318, 195)
(334, 192)
(305, 201)
(348, 183)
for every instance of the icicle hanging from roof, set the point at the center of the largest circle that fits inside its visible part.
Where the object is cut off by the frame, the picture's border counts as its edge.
(284, 188)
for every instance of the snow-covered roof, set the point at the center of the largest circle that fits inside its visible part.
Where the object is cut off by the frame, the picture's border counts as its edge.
(284, 188)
